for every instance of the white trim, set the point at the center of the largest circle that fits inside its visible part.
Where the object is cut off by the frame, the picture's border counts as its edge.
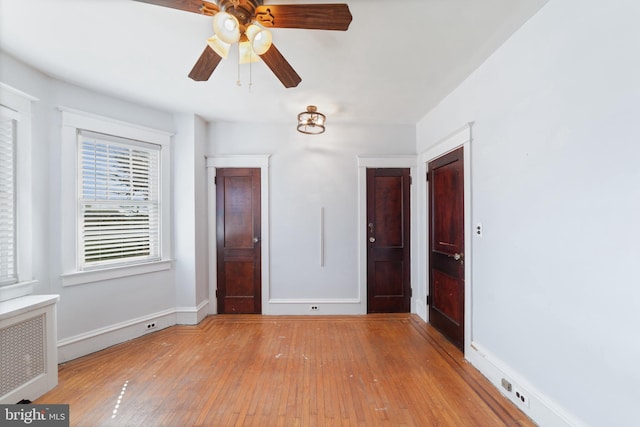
(541, 408)
(72, 122)
(406, 161)
(99, 339)
(301, 307)
(20, 109)
(16, 96)
(16, 290)
(90, 276)
(192, 315)
(102, 124)
(240, 161)
(364, 162)
(460, 138)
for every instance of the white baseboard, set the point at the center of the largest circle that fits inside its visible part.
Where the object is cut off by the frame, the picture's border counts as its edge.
(541, 409)
(420, 308)
(99, 339)
(302, 307)
(192, 315)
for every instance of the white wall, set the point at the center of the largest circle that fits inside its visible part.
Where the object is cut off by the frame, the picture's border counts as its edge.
(308, 173)
(190, 218)
(93, 315)
(556, 184)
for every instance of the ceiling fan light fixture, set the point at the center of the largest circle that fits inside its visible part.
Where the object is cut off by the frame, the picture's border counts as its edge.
(259, 38)
(311, 121)
(247, 55)
(226, 27)
(218, 46)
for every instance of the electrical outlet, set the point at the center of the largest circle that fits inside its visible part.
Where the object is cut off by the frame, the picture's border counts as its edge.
(313, 307)
(522, 398)
(479, 229)
(506, 384)
(151, 325)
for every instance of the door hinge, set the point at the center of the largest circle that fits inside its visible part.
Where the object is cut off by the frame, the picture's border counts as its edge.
(428, 299)
(215, 180)
(410, 292)
(216, 293)
(410, 180)
(427, 176)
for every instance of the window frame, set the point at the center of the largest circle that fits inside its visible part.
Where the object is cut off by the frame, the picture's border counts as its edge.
(18, 105)
(13, 118)
(74, 121)
(88, 142)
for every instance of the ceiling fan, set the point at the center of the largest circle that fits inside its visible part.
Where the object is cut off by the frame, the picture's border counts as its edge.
(247, 22)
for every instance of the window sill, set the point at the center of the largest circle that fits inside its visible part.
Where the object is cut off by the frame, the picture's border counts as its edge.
(82, 277)
(16, 290)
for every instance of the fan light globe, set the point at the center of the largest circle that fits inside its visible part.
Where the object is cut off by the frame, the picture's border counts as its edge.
(260, 38)
(246, 54)
(218, 46)
(226, 27)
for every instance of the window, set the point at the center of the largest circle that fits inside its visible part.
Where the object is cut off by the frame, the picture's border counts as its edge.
(8, 273)
(117, 222)
(16, 278)
(119, 200)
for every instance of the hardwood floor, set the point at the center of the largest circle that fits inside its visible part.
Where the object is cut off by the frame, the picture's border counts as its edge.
(251, 370)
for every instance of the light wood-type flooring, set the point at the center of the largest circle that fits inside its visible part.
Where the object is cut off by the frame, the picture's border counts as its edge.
(250, 370)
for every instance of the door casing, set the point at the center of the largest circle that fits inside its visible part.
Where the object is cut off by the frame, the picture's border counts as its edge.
(239, 161)
(364, 162)
(459, 138)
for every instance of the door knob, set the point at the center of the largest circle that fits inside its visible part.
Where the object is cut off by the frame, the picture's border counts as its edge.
(256, 240)
(457, 256)
(372, 239)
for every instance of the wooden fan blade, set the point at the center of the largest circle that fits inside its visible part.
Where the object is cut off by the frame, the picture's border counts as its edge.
(307, 16)
(195, 6)
(280, 67)
(205, 65)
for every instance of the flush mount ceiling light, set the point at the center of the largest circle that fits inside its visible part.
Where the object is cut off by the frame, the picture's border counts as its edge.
(311, 121)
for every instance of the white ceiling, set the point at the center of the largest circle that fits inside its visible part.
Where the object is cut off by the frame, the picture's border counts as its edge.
(398, 59)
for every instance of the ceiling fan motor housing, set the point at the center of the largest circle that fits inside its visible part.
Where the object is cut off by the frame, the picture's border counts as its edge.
(243, 10)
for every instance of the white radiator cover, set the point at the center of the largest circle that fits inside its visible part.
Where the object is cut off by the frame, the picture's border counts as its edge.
(28, 347)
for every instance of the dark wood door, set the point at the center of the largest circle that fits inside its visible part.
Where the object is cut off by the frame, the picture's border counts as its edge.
(388, 237)
(238, 240)
(446, 245)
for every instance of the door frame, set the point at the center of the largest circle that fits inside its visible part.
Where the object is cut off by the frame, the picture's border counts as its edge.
(399, 161)
(460, 138)
(239, 161)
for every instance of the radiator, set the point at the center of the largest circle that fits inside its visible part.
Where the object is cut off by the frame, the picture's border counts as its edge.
(28, 347)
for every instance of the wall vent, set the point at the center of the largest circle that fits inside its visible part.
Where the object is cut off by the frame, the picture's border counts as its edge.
(22, 353)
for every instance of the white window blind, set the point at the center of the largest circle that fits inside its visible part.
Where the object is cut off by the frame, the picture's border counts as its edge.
(119, 201)
(8, 273)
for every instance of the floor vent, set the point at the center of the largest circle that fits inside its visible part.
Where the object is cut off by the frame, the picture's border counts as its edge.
(22, 353)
